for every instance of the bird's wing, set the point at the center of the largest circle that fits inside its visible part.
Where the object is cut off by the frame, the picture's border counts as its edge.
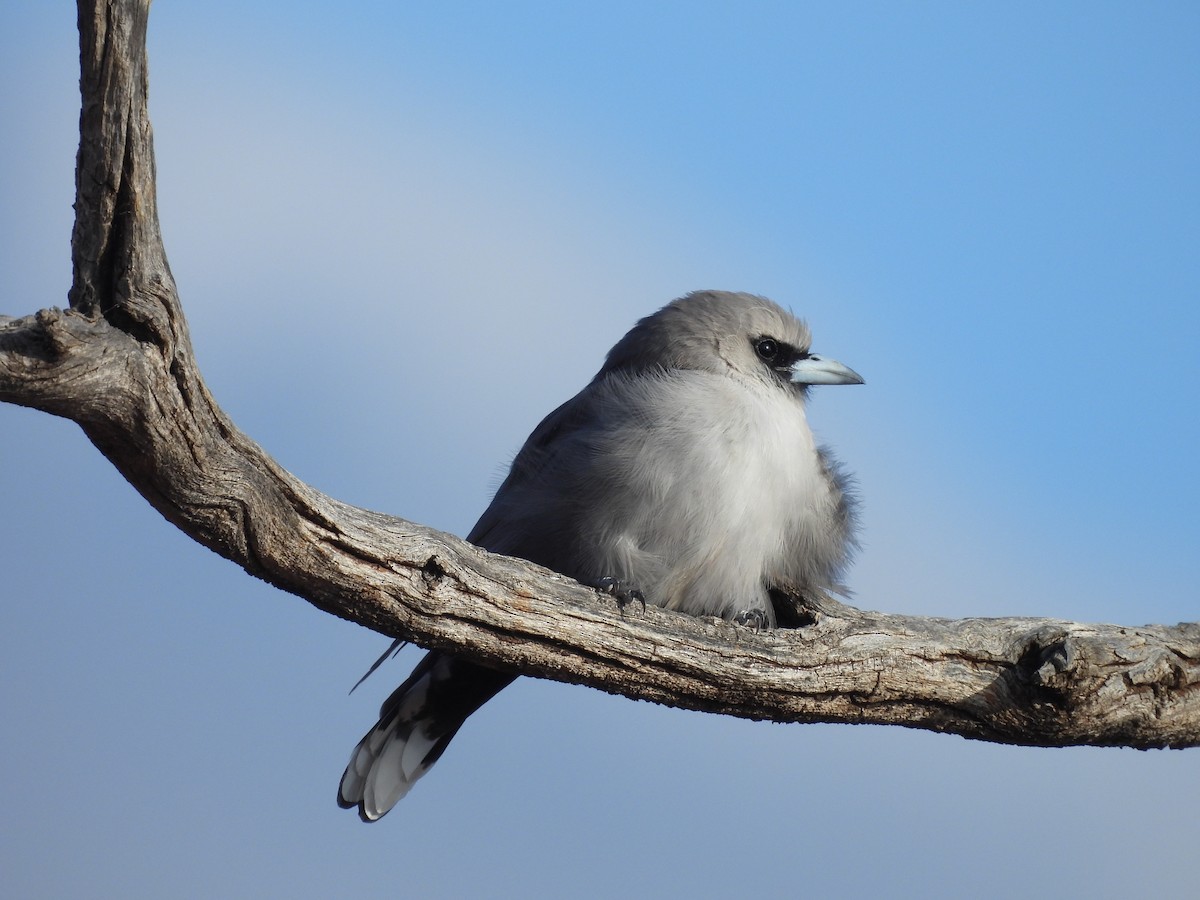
(534, 458)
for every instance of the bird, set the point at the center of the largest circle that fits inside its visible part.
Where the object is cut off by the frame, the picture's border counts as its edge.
(684, 476)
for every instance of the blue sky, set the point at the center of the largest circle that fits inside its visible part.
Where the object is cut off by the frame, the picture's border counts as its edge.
(402, 233)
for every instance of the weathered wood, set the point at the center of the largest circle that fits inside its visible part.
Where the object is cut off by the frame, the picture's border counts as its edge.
(119, 362)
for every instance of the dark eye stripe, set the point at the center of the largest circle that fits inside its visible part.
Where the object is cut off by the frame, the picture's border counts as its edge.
(777, 354)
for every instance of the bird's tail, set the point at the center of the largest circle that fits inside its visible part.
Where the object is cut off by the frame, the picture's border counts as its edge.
(415, 724)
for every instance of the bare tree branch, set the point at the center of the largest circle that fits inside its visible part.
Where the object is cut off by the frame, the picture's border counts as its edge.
(119, 362)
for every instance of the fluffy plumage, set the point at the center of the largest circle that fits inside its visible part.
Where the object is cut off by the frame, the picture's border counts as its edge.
(686, 470)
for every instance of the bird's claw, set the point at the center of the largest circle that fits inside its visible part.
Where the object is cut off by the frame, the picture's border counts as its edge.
(752, 618)
(619, 591)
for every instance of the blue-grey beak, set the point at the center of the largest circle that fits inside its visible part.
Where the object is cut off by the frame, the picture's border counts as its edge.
(819, 370)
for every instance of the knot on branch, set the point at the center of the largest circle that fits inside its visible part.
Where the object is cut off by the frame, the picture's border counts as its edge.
(55, 334)
(432, 571)
(1049, 659)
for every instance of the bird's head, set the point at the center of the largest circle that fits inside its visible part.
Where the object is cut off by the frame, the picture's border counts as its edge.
(729, 333)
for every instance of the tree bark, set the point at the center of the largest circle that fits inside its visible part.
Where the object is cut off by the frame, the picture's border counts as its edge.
(119, 363)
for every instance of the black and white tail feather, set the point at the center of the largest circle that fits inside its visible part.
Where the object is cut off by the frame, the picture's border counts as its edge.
(415, 724)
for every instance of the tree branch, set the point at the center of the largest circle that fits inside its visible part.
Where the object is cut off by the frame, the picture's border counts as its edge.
(119, 362)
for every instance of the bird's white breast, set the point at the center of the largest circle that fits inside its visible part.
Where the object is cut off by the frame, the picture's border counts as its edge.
(724, 490)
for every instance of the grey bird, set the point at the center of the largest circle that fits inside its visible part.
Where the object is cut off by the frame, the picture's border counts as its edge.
(684, 476)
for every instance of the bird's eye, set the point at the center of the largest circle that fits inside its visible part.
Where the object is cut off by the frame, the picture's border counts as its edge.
(767, 349)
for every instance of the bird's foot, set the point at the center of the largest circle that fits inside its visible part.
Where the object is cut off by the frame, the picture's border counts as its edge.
(619, 591)
(753, 618)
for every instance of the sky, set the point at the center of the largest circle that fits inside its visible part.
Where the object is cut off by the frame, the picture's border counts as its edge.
(402, 233)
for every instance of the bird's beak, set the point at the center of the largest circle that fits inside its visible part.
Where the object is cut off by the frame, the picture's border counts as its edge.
(819, 370)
